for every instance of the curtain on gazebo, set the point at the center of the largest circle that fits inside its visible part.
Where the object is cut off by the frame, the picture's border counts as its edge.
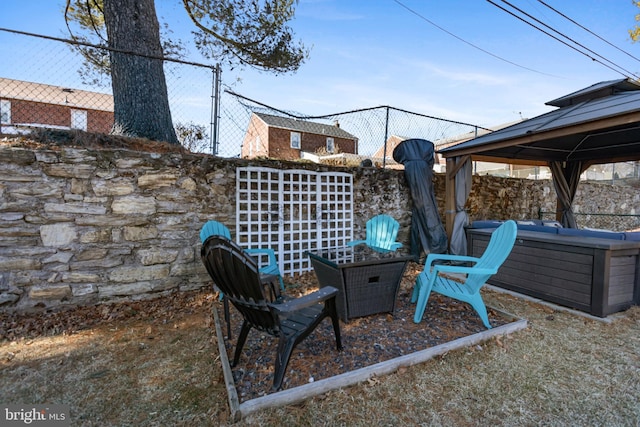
(458, 244)
(427, 231)
(566, 176)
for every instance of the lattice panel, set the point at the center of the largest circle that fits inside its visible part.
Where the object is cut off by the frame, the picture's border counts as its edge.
(293, 211)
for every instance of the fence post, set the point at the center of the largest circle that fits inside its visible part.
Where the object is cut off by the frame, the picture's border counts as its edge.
(215, 101)
(386, 138)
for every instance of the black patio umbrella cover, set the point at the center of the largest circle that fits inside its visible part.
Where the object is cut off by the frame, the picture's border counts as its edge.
(427, 231)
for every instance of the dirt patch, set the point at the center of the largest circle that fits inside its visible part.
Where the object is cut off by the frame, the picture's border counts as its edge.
(148, 362)
(28, 326)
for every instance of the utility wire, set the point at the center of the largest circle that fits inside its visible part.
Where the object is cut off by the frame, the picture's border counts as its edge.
(589, 31)
(571, 40)
(628, 73)
(469, 43)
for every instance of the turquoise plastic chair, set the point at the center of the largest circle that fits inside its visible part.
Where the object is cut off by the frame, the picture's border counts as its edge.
(434, 277)
(211, 228)
(214, 228)
(382, 231)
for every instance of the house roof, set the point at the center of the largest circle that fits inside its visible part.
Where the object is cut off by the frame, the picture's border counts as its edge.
(598, 124)
(58, 95)
(392, 142)
(305, 126)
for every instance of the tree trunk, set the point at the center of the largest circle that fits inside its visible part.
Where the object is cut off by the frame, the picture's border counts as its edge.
(141, 103)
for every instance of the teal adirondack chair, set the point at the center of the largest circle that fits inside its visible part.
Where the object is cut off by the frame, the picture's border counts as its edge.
(382, 231)
(216, 228)
(435, 277)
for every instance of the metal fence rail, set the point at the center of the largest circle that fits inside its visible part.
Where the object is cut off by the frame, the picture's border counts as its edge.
(376, 128)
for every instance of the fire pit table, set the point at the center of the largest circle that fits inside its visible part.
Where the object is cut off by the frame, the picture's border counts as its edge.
(367, 280)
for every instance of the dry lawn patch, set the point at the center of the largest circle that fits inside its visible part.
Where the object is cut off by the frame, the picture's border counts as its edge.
(144, 363)
(155, 363)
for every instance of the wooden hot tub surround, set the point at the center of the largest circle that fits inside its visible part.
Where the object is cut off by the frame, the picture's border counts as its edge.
(599, 276)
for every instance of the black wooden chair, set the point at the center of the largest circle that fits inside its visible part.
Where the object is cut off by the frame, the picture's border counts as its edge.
(262, 306)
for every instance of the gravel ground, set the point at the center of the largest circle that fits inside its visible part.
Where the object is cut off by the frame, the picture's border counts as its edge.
(366, 340)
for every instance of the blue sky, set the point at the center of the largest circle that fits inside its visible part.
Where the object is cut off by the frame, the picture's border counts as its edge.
(366, 53)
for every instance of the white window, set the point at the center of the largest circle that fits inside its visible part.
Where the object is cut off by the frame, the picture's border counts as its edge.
(5, 112)
(330, 145)
(295, 140)
(79, 119)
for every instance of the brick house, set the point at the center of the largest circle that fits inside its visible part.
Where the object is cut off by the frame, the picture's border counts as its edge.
(26, 105)
(286, 138)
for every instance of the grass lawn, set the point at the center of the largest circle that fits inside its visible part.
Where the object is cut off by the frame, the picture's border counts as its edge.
(156, 363)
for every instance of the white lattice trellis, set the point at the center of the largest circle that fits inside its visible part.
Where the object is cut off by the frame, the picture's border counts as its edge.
(293, 211)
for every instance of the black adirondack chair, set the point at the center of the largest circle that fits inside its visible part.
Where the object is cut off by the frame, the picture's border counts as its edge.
(262, 306)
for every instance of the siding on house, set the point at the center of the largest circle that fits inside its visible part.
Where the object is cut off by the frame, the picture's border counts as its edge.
(255, 139)
(40, 105)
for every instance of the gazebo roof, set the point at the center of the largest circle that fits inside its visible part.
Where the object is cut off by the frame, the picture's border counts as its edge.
(598, 124)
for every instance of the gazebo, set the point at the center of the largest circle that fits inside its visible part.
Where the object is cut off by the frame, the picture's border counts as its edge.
(596, 125)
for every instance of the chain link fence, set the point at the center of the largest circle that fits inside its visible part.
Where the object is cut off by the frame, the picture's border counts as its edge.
(378, 130)
(46, 86)
(600, 221)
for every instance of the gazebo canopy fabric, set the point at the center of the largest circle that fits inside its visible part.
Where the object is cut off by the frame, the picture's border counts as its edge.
(595, 125)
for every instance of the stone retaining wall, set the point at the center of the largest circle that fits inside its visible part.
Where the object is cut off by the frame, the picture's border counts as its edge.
(82, 226)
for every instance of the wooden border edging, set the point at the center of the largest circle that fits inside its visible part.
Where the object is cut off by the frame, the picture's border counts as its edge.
(234, 402)
(298, 394)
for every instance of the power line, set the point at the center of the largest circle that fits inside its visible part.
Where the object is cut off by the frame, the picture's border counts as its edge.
(589, 31)
(469, 43)
(628, 73)
(571, 40)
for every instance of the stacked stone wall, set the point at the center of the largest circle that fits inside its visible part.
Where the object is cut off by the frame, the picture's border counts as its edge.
(82, 226)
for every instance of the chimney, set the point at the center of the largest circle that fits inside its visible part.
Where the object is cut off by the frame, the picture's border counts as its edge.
(336, 123)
